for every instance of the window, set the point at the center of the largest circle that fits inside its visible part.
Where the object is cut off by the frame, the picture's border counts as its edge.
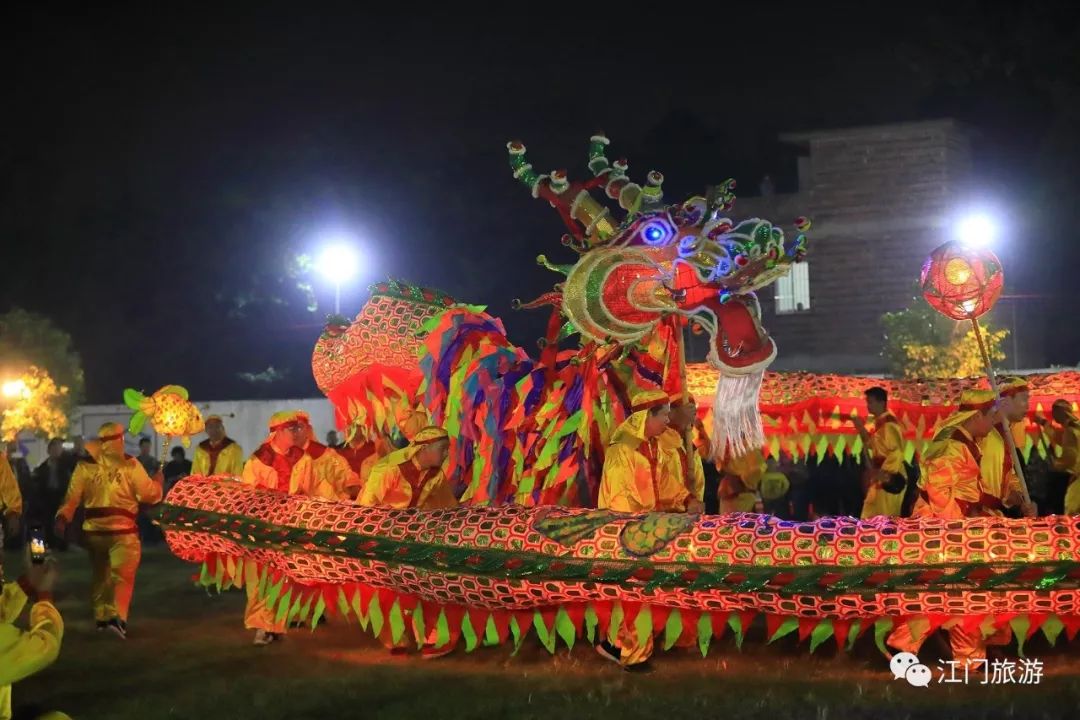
(793, 290)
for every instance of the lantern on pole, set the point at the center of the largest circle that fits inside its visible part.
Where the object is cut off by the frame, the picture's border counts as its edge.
(962, 282)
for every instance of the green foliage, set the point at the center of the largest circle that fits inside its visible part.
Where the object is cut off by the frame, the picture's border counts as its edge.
(922, 343)
(27, 338)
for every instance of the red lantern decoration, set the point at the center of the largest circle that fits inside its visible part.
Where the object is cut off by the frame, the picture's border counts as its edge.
(961, 282)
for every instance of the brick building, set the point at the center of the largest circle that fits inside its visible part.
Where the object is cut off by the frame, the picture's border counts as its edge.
(880, 199)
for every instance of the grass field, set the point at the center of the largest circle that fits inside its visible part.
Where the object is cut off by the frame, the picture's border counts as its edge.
(188, 656)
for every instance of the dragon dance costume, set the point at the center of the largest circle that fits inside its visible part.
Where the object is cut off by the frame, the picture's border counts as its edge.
(1000, 483)
(739, 484)
(331, 476)
(398, 481)
(640, 475)
(363, 454)
(530, 438)
(223, 458)
(288, 472)
(1067, 439)
(110, 486)
(24, 653)
(886, 459)
(951, 487)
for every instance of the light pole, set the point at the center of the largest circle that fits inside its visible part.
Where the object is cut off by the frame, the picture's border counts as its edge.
(338, 263)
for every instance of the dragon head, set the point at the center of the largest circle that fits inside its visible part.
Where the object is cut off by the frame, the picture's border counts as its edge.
(688, 258)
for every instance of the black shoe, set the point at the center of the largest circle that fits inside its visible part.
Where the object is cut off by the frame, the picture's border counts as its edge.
(117, 627)
(101, 625)
(643, 668)
(608, 651)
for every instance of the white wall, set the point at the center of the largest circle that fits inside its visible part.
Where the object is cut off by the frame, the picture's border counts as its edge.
(245, 421)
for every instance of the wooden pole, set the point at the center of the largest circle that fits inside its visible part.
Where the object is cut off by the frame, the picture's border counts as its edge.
(688, 433)
(1005, 421)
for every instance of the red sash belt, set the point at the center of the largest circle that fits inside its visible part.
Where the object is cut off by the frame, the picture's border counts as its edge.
(108, 512)
(104, 512)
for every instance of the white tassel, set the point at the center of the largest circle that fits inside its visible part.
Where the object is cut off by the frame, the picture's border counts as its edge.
(736, 418)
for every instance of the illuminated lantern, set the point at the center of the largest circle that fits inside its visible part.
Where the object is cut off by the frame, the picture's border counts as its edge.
(961, 282)
(169, 411)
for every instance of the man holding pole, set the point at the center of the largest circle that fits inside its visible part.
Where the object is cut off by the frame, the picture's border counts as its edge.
(1000, 482)
(951, 488)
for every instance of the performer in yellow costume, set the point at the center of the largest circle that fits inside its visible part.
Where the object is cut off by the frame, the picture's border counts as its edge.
(362, 454)
(1067, 439)
(640, 477)
(10, 498)
(219, 454)
(681, 421)
(774, 489)
(331, 476)
(950, 487)
(1000, 483)
(741, 477)
(110, 486)
(23, 653)
(282, 466)
(885, 448)
(412, 477)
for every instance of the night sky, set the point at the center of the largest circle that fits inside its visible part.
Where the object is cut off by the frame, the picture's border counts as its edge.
(160, 167)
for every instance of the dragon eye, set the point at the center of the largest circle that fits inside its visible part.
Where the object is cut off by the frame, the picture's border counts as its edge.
(657, 232)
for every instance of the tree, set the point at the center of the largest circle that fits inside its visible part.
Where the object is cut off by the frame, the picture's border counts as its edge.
(33, 403)
(922, 343)
(28, 339)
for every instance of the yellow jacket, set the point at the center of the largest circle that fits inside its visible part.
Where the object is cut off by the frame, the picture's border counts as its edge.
(949, 483)
(996, 469)
(25, 653)
(748, 469)
(362, 457)
(225, 459)
(639, 476)
(690, 466)
(331, 476)
(111, 489)
(887, 458)
(10, 497)
(269, 469)
(1068, 439)
(395, 480)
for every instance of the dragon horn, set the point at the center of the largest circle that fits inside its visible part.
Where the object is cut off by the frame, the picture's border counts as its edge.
(562, 269)
(598, 162)
(553, 297)
(523, 171)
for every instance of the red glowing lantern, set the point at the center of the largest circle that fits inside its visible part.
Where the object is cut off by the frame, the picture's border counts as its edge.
(961, 282)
